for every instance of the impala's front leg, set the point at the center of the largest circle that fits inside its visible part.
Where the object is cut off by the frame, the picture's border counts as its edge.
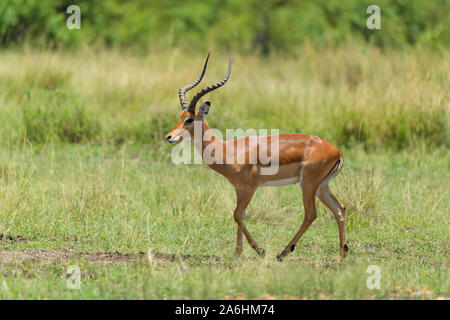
(238, 251)
(243, 197)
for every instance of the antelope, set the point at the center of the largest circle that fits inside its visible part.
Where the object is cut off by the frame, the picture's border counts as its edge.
(303, 159)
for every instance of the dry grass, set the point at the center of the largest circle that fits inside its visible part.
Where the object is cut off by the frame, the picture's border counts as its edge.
(348, 96)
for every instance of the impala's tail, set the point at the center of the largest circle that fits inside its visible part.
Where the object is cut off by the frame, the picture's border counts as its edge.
(336, 168)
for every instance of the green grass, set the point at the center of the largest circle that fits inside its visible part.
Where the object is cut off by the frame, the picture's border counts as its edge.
(102, 199)
(84, 173)
(349, 96)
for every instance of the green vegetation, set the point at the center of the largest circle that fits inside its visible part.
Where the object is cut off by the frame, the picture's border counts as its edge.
(350, 96)
(92, 199)
(85, 173)
(245, 26)
(86, 177)
(46, 118)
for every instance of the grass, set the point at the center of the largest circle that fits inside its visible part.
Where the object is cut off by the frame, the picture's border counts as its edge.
(85, 177)
(93, 199)
(351, 96)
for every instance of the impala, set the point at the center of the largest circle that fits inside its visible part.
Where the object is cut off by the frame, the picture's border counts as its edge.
(302, 159)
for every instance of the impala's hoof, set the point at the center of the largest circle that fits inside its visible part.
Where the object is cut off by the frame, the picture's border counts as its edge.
(261, 252)
(280, 257)
(344, 252)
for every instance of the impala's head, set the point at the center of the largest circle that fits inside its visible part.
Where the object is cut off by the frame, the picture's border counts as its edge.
(188, 112)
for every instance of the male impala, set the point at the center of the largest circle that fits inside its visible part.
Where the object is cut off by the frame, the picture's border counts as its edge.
(307, 160)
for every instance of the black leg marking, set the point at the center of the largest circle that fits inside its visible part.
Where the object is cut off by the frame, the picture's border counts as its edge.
(261, 252)
(280, 257)
(345, 247)
(293, 247)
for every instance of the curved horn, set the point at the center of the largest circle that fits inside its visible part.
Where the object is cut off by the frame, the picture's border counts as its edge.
(183, 90)
(204, 91)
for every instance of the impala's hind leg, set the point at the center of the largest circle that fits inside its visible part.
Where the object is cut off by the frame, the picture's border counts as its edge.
(338, 210)
(309, 187)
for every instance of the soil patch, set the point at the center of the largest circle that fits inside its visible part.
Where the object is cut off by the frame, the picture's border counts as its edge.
(7, 237)
(67, 254)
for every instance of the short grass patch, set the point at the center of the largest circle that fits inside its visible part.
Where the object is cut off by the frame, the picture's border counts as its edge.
(105, 209)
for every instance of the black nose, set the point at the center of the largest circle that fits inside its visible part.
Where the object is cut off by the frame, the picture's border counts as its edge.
(168, 138)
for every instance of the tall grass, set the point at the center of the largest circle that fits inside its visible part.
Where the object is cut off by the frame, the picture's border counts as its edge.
(46, 115)
(349, 96)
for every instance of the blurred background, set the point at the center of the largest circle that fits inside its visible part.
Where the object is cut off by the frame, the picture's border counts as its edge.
(245, 26)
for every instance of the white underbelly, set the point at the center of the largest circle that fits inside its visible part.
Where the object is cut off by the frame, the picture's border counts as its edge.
(282, 182)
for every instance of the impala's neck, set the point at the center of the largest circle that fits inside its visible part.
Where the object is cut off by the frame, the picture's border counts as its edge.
(206, 139)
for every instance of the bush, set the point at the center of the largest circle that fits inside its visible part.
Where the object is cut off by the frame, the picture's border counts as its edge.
(260, 26)
(43, 22)
(148, 130)
(395, 128)
(405, 128)
(47, 117)
(351, 127)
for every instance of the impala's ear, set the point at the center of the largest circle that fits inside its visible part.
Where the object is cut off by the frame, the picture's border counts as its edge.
(204, 109)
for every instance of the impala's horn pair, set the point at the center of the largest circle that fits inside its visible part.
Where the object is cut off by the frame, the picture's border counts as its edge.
(201, 93)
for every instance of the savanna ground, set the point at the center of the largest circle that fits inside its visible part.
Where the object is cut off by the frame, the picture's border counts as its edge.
(87, 180)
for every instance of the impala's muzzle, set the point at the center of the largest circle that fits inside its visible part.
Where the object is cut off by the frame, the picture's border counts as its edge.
(171, 139)
(177, 135)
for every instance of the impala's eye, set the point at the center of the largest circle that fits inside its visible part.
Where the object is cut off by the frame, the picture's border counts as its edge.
(188, 121)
